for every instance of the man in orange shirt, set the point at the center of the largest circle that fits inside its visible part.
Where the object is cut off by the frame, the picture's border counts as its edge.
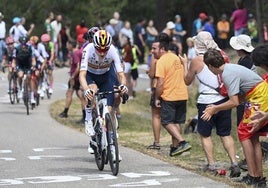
(171, 93)
(223, 27)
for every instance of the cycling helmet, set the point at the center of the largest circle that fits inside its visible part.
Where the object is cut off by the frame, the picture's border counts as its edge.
(23, 40)
(91, 32)
(45, 38)
(9, 40)
(34, 39)
(102, 40)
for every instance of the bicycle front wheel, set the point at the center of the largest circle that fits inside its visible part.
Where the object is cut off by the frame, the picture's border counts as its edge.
(113, 150)
(12, 90)
(26, 97)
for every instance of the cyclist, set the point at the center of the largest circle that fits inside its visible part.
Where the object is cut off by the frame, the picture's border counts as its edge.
(49, 46)
(41, 59)
(23, 58)
(7, 56)
(99, 60)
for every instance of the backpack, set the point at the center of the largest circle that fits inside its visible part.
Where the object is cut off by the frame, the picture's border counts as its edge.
(221, 89)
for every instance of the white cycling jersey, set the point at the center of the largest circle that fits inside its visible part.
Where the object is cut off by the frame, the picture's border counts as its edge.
(42, 50)
(91, 62)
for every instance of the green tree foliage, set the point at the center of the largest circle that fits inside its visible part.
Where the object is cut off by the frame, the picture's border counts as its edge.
(100, 11)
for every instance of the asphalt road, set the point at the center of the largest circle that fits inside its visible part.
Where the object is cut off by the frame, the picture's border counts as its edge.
(36, 151)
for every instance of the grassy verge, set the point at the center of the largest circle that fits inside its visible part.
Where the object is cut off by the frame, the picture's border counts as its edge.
(135, 132)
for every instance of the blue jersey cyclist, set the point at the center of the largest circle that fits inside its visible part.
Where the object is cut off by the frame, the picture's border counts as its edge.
(100, 68)
(24, 59)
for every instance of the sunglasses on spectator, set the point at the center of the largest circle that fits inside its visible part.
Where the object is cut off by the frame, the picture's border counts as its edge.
(10, 44)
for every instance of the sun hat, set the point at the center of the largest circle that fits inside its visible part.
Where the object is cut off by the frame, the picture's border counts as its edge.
(203, 41)
(1, 15)
(241, 42)
(113, 21)
(16, 20)
(170, 25)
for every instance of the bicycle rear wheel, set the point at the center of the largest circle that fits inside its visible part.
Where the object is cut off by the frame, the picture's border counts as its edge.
(113, 150)
(12, 90)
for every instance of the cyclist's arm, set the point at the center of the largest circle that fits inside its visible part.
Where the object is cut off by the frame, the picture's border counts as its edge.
(122, 78)
(82, 79)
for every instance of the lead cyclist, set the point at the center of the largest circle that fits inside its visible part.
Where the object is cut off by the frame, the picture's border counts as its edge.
(100, 65)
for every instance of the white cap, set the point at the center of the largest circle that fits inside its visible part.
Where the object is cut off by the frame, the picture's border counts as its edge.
(241, 42)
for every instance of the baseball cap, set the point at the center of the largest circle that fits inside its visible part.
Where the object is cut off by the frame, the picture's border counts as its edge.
(170, 25)
(241, 42)
(202, 15)
(16, 20)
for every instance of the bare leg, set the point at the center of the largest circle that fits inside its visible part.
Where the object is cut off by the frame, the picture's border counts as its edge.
(228, 144)
(156, 124)
(208, 148)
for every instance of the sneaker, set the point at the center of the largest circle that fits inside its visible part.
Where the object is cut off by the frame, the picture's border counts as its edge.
(50, 91)
(235, 171)
(210, 169)
(89, 128)
(20, 94)
(260, 183)
(41, 92)
(249, 180)
(182, 147)
(243, 165)
(63, 115)
(33, 101)
(90, 149)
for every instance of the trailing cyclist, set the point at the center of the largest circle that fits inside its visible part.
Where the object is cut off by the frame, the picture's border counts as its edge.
(49, 46)
(24, 59)
(8, 56)
(100, 66)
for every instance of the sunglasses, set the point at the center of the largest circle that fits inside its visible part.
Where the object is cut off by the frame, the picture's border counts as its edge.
(102, 50)
(10, 44)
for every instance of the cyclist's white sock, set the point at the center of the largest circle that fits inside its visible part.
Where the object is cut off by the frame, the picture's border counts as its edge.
(88, 113)
(32, 95)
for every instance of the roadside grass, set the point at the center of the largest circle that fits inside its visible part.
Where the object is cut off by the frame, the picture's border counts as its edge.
(135, 132)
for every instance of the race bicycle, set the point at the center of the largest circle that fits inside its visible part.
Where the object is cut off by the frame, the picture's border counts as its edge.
(13, 87)
(104, 142)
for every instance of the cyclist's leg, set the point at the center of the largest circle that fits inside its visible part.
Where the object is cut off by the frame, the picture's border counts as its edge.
(51, 78)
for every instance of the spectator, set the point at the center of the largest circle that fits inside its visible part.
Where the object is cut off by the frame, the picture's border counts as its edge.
(170, 26)
(209, 26)
(198, 24)
(2, 36)
(56, 26)
(81, 28)
(243, 47)
(252, 28)
(65, 36)
(172, 98)
(139, 38)
(48, 28)
(239, 18)
(151, 33)
(223, 28)
(241, 80)
(127, 57)
(17, 30)
(191, 51)
(209, 96)
(179, 33)
(73, 83)
(111, 27)
(119, 24)
(156, 120)
(126, 32)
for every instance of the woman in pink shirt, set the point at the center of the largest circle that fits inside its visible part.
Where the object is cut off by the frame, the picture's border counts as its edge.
(239, 18)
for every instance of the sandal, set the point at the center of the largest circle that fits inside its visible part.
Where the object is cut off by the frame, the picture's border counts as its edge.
(154, 146)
